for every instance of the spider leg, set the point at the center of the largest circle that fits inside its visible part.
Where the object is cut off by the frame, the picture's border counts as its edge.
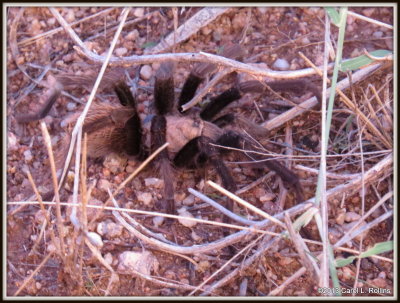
(133, 126)
(227, 97)
(233, 139)
(164, 94)
(25, 118)
(200, 149)
(158, 138)
(200, 72)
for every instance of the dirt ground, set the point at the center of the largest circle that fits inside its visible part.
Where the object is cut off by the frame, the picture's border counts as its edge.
(41, 261)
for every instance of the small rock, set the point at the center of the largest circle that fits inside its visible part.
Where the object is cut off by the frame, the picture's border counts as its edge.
(143, 262)
(146, 72)
(196, 237)
(206, 30)
(267, 197)
(28, 155)
(146, 198)
(377, 34)
(340, 218)
(351, 216)
(133, 35)
(110, 229)
(262, 9)
(104, 185)
(139, 12)
(281, 64)
(12, 142)
(184, 213)
(108, 258)
(154, 182)
(120, 51)
(368, 11)
(202, 266)
(348, 274)
(115, 163)
(158, 220)
(71, 106)
(95, 239)
(70, 17)
(379, 282)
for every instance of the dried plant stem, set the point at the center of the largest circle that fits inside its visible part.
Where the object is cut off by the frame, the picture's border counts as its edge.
(190, 27)
(60, 225)
(302, 249)
(245, 204)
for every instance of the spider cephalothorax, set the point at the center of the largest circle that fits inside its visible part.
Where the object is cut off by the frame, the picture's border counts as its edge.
(193, 138)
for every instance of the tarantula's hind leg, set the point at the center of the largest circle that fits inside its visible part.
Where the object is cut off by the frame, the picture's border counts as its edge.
(158, 138)
(199, 150)
(54, 94)
(233, 139)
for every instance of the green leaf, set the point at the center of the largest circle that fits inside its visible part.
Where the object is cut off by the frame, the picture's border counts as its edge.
(149, 44)
(377, 249)
(362, 60)
(334, 15)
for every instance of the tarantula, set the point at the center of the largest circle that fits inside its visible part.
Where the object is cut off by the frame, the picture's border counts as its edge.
(194, 138)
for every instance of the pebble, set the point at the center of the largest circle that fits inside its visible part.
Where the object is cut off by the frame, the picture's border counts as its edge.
(146, 72)
(120, 51)
(71, 106)
(12, 142)
(108, 258)
(133, 35)
(340, 218)
(115, 163)
(146, 198)
(95, 239)
(281, 64)
(104, 185)
(157, 221)
(351, 216)
(109, 229)
(143, 262)
(154, 182)
(377, 34)
(28, 155)
(368, 12)
(267, 197)
(183, 212)
(139, 12)
(70, 17)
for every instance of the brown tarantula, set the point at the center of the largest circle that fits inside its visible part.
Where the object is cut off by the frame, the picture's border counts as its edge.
(193, 138)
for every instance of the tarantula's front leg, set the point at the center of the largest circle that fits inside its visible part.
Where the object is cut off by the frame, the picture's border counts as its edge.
(158, 138)
(233, 139)
(199, 150)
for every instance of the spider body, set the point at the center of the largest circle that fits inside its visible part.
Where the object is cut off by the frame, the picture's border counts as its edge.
(193, 139)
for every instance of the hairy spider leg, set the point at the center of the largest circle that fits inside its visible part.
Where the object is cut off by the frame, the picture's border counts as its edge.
(235, 140)
(158, 138)
(200, 72)
(200, 149)
(164, 98)
(25, 118)
(133, 126)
